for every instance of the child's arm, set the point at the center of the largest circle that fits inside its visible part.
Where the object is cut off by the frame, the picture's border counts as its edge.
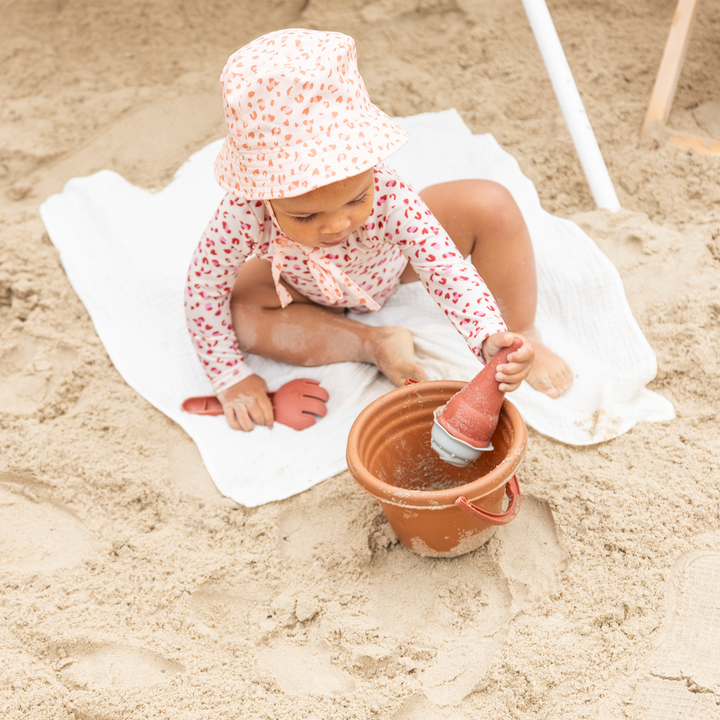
(452, 282)
(228, 240)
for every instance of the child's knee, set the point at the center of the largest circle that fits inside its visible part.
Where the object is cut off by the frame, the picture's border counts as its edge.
(497, 199)
(485, 201)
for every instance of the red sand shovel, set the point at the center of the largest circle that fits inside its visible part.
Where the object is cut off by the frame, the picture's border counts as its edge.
(464, 427)
(295, 404)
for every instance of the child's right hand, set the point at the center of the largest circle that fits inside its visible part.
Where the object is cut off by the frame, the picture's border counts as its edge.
(247, 404)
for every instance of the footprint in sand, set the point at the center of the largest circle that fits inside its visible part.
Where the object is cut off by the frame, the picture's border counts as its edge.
(225, 611)
(461, 604)
(530, 554)
(464, 604)
(430, 596)
(29, 371)
(97, 667)
(37, 535)
(305, 669)
(682, 676)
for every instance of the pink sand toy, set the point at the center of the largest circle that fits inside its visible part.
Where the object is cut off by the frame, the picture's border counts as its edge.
(295, 404)
(464, 426)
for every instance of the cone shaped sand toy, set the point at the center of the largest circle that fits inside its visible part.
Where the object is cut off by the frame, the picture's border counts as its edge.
(464, 427)
(296, 404)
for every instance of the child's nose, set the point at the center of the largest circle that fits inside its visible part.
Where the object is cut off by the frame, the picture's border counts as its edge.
(336, 225)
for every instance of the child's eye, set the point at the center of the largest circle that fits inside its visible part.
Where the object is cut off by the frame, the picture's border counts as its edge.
(308, 218)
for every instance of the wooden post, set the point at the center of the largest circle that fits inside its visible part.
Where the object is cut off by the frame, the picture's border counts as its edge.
(672, 62)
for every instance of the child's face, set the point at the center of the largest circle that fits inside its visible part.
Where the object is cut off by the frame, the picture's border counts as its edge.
(326, 216)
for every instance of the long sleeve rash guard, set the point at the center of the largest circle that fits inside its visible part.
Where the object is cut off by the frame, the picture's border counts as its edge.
(359, 274)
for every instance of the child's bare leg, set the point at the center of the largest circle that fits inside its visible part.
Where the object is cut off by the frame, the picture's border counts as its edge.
(484, 221)
(308, 334)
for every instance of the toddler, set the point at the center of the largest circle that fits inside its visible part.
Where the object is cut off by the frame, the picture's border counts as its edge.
(314, 228)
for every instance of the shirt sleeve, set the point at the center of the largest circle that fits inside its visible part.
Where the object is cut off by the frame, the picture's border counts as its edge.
(227, 242)
(453, 282)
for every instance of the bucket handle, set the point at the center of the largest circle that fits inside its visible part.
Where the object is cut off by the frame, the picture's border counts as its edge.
(512, 490)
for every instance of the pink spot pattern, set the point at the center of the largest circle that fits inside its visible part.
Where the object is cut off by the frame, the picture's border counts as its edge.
(400, 229)
(298, 116)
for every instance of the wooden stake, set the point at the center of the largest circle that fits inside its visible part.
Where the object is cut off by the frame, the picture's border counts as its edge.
(672, 62)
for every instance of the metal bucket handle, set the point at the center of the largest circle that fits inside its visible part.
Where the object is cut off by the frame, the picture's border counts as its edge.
(512, 490)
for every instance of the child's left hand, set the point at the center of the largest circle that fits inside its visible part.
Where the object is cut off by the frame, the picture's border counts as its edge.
(511, 374)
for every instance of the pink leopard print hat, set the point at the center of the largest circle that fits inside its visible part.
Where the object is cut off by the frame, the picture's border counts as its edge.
(298, 116)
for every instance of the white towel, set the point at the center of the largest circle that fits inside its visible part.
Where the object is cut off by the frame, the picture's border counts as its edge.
(102, 227)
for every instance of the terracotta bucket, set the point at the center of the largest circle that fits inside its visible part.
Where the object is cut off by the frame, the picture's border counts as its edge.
(434, 508)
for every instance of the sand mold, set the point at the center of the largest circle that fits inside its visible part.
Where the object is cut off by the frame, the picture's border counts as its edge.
(561, 614)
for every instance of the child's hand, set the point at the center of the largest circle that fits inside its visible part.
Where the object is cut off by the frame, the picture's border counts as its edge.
(247, 404)
(511, 374)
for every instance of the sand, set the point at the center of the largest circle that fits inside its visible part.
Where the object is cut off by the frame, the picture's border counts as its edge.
(131, 589)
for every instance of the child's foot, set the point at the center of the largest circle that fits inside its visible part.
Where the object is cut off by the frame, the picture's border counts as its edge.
(550, 374)
(393, 351)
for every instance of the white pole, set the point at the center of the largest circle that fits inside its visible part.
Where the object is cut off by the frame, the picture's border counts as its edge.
(568, 96)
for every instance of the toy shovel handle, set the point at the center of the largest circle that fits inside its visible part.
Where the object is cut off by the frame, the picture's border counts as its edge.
(208, 405)
(512, 490)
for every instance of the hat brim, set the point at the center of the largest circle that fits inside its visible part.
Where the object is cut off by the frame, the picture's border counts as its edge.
(275, 171)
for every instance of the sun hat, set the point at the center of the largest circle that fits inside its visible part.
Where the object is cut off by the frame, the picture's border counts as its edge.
(298, 116)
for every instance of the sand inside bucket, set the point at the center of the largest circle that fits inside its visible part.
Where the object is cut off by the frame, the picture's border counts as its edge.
(425, 471)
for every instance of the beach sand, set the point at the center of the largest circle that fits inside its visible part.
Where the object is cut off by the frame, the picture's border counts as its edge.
(129, 588)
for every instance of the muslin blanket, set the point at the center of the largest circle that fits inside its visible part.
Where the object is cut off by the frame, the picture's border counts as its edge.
(102, 225)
